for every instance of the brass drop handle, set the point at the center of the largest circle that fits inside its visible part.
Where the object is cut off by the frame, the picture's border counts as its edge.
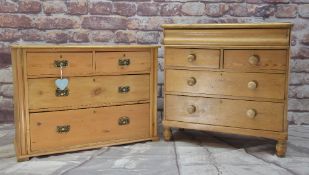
(124, 62)
(191, 81)
(62, 93)
(123, 89)
(251, 113)
(191, 57)
(61, 63)
(124, 120)
(63, 129)
(254, 59)
(191, 109)
(252, 85)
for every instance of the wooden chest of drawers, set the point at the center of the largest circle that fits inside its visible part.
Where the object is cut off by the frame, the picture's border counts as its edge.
(230, 78)
(110, 97)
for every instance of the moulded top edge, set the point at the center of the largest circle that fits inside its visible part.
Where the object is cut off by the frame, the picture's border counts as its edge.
(227, 25)
(81, 46)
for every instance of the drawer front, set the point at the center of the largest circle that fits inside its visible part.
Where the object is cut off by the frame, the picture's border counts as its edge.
(43, 64)
(233, 113)
(62, 129)
(192, 58)
(122, 62)
(224, 83)
(88, 91)
(255, 59)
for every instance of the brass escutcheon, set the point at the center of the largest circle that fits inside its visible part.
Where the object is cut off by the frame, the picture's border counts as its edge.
(124, 62)
(124, 120)
(62, 93)
(63, 129)
(123, 89)
(61, 63)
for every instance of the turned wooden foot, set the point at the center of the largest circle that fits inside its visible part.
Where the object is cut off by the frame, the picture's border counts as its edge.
(281, 148)
(167, 134)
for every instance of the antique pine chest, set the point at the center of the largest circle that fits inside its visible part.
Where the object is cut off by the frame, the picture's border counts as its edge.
(229, 78)
(73, 97)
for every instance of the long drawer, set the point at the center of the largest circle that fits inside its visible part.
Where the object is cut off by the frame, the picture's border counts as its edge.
(88, 91)
(63, 129)
(224, 112)
(48, 63)
(226, 83)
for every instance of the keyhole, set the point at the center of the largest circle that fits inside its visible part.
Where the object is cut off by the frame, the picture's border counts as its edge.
(93, 80)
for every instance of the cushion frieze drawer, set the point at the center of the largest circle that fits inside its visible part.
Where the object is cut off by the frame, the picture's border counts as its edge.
(88, 91)
(255, 59)
(122, 62)
(222, 83)
(78, 127)
(200, 58)
(224, 112)
(49, 63)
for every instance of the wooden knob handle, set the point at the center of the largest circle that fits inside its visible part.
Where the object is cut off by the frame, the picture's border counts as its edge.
(252, 85)
(251, 113)
(254, 59)
(191, 109)
(191, 81)
(191, 57)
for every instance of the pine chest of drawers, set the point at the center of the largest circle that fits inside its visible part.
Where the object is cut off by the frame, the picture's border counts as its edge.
(230, 78)
(110, 97)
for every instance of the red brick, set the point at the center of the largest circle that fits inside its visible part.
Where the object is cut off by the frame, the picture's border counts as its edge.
(301, 53)
(56, 37)
(29, 6)
(193, 8)
(150, 37)
(304, 11)
(6, 116)
(125, 36)
(79, 37)
(102, 22)
(254, 1)
(151, 23)
(9, 35)
(216, 10)
(171, 9)
(124, 9)
(101, 36)
(148, 9)
(54, 23)
(264, 10)
(240, 10)
(286, 11)
(6, 104)
(77, 7)
(8, 7)
(5, 60)
(52, 7)
(305, 39)
(15, 21)
(300, 1)
(32, 35)
(276, 1)
(100, 8)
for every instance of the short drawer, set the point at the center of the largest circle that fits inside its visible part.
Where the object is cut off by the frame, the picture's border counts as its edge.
(48, 63)
(88, 91)
(255, 59)
(122, 62)
(202, 58)
(74, 128)
(224, 112)
(226, 83)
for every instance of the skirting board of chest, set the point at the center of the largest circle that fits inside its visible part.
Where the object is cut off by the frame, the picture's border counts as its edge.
(70, 97)
(229, 78)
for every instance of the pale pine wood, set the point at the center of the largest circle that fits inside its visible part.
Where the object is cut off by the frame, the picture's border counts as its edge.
(84, 126)
(232, 84)
(79, 47)
(204, 58)
(219, 37)
(107, 62)
(26, 86)
(87, 91)
(268, 59)
(228, 83)
(43, 63)
(225, 112)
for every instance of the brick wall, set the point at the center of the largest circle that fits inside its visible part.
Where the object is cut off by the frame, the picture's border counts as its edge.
(138, 22)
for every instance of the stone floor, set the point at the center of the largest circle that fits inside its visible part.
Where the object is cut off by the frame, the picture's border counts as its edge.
(191, 153)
